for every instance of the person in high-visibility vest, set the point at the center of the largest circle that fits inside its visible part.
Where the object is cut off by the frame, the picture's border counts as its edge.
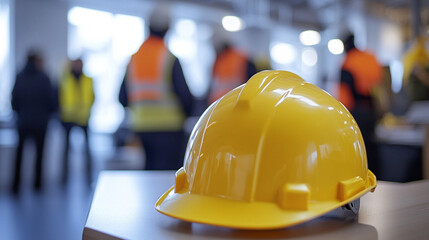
(155, 91)
(232, 68)
(360, 74)
(76, 97)
(416, 71)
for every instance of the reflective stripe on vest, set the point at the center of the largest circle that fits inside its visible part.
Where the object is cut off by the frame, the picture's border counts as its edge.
(229, 72)
(153, 104)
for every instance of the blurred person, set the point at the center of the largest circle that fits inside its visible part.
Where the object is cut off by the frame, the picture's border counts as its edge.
(416, 71)
(262, 63)
(360, 75)
(159, 100)
(34, 102)
(232, 68)
(76, 97)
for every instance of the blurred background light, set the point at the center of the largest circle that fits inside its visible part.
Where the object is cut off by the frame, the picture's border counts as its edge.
(4, 33)
(5, 65)
(396, 71)
(94, 27)
(105, 42)
(309, 57)
(309, 37)
(335, 46)
(232, 23)
(128, 34)
(186, 27)
(182, 48)
(79, 16)
(283, 53)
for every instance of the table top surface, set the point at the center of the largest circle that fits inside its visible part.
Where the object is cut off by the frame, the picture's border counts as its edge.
(418, 113)
(123, 208)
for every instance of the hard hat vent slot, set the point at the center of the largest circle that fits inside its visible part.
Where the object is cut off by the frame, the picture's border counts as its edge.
(181, 181)
(350, 187)
(294, 196)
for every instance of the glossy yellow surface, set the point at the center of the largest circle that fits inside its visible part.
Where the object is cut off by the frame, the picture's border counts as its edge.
(274, 152)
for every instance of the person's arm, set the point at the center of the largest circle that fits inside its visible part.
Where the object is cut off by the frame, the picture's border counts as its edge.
(92, 91)
(346, 90)
(15, 94)
(51, 96)
(251, 69)
(181, 88)
(55, 97)
(347, 79)
(123, 95)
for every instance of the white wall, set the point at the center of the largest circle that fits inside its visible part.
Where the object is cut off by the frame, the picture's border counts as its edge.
(385, 39)
(41, 24)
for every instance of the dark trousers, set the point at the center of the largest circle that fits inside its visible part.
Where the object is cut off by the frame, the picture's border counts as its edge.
(38, 135)
(164, 150)
(67, 128)
(365, 117)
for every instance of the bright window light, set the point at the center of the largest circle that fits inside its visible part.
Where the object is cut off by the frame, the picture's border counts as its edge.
(96, 64)
(396, 71)
(309, 57)
(5, 63)
(105, 41)
(186, 27)
(283, 53)
(81, 16)
(94, 27)
(336, 46)
(182, 48)
(128, 35)
(309, 37)
(232, 23)
(4, 34)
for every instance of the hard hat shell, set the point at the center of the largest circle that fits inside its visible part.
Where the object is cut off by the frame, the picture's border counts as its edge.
(272, 153)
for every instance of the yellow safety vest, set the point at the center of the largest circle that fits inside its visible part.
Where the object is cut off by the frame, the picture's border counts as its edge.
(76, 98)
(153, 104)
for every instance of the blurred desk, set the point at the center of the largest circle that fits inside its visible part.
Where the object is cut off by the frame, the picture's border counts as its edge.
(419, 114)
(123, 208)
(399, 152)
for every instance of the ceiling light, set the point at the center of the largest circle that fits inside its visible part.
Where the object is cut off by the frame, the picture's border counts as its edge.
(283, 53)
(336, 46)
(309, 57)
(232, 23)
(309, 37)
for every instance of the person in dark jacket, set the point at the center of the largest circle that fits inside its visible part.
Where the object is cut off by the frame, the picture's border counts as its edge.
(33, 101)
(155, 91)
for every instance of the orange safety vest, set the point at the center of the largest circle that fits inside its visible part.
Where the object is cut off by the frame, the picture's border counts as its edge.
(229, 72)
(366, 72)
(153, 103)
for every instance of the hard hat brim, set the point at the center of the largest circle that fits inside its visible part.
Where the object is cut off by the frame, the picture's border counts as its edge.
(243, 215)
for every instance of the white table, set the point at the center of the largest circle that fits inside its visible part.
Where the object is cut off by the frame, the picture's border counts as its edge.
(123, 208)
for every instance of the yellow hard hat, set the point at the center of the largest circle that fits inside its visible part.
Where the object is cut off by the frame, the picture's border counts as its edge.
(272, 153)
